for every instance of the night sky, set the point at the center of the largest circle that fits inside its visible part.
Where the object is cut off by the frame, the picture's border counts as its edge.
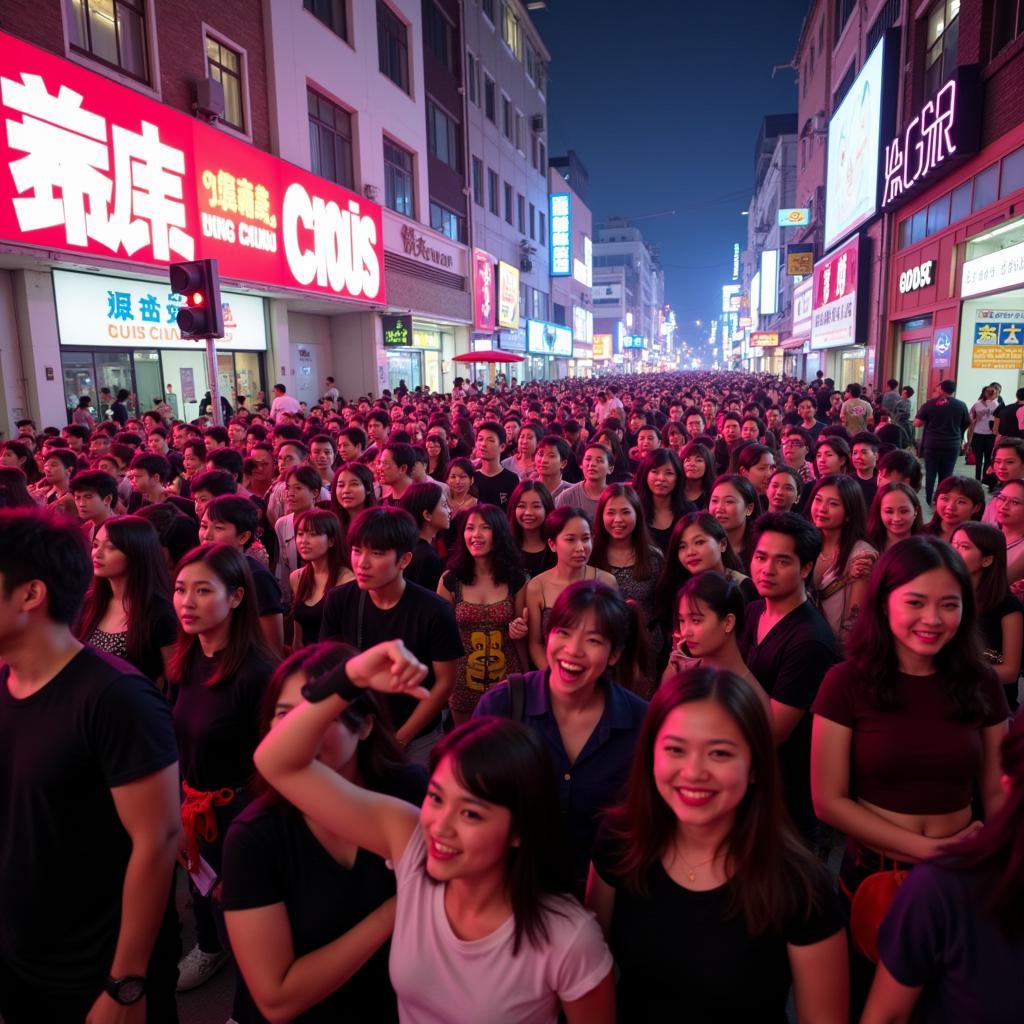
(662, 100)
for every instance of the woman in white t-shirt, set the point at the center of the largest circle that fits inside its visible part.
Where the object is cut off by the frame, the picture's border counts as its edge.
(979, 434)
(483, 931)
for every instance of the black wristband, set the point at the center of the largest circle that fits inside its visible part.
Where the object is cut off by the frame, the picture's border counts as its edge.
(336, 681)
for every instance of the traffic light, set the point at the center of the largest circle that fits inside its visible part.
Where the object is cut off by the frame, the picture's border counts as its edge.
(198, 282)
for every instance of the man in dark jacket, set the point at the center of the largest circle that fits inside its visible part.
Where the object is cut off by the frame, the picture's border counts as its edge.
(945, 420)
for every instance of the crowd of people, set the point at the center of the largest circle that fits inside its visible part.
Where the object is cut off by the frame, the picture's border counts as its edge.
(517, 705)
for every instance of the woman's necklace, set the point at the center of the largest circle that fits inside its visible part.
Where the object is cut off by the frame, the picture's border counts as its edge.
(691, 869)
(456, 505)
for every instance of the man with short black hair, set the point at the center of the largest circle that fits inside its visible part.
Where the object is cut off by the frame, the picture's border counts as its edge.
(494, 484)
(945, 420)
(283, 403)
(788, 646)
(89, 808)
(95, 494)
(597, 467)
(550, 461)
(899, 467)
(394, 471)
(149, 476)
(891, 396)
(380, 604)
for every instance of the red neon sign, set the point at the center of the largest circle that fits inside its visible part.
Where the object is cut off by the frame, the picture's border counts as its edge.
(90, 166)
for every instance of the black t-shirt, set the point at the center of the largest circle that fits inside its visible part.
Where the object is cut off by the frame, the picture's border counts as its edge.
(425, 567)
(271, 856)
(496, 490)
(945, 419)
(869, 488)
(97, 725)
(681, 956)
(424, 621)
(1008, 426)
(790, 664)
(268, 590)
(218, 727)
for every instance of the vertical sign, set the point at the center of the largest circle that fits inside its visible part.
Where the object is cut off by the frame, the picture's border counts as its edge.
(483, 291)
(560, 228)
(508, 295)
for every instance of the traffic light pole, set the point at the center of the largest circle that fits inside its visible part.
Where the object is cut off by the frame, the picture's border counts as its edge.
(214, 378)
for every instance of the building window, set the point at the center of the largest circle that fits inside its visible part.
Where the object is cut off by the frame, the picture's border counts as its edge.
(940, 58)
(225, 65)
(1007, 23)
(542, 227)
(487, 6)
(473, 78)
(332, 13)
(508, 202)
(533, 222)
(519, 133)
(886, 18)
(443, 137)
(845, 84)
(448, 222)
(492, 192)
(521, 214)
(330, 140)
(542, 157)
(844, 8)
(440, 37)
(511, 31)
(111, 31)
(506, 116)
(540, 304)
(489, 100)
(478, 181)
(392, 46)
(398, 194)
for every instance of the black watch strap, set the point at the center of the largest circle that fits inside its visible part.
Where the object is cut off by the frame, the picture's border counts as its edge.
(127, 990)
(334, 681)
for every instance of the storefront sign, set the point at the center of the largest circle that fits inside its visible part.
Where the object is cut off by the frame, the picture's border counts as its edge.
(187, 375)
(994, 271)
(415, 245)
(582, 324)
(854, 143)
(917, 277)
(730, 298)
(834, 320)
(397, 330)
(942, 348)
(800, 259)
(945, 128)
(607, 293)
(512, 341)
(508, 295)
(769, 303)
(483, 291)
(548, 339)
(633, 341)
(560, 233)
(794, 218)
(764, 339)
(92, 167)
(803, 307)
(108, 312)
(602, 346)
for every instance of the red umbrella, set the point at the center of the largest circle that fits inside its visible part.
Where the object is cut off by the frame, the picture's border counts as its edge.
(491, 356)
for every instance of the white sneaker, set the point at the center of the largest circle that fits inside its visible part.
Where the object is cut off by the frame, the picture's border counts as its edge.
(196, 967)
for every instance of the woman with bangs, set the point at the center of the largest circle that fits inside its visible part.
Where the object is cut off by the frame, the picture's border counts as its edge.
(895, 514)
(309, 916)
(427, 503)
(783, 491)
(660, 486)
(321, 546)
(219, 671)
(487, 588)
(958, 500)
(528, 509)
(352, 491)
(734, 503)
(586, 718)
(698, 473)
(484, 928)
(438, 456)
(707, 895)
(673, 436)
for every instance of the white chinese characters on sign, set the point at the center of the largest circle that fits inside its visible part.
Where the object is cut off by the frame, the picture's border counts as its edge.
(926, 143)
(561, 234)
(122, 190)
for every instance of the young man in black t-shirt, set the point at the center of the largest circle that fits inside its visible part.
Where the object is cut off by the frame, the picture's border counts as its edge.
(89, 813)
(494, 485)
(382, 605)
(788, 646)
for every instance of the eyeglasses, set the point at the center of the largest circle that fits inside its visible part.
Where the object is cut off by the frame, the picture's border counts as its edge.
(1005, 499)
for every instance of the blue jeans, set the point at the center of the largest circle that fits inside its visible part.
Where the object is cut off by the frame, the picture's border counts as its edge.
(938, 464)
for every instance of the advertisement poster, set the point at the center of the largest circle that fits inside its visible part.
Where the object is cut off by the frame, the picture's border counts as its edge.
(508, 295)
(483, 291)
(998, 340)
(834, 319)
(942, 348)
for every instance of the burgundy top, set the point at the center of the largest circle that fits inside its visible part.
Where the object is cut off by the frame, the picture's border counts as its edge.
(916, 759)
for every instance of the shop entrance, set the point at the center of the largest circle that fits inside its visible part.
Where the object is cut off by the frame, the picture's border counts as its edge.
(405, 366)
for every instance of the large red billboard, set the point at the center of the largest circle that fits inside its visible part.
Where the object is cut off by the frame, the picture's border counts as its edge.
(90, 166)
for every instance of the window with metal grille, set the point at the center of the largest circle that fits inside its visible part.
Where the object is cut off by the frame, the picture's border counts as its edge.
(112, 32)
(225, 65)
(392, 46)
(330, 140)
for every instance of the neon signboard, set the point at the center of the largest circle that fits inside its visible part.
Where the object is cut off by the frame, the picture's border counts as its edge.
(91, 167)
(560, 233)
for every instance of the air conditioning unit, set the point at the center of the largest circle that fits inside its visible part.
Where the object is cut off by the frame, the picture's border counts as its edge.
(537, 122)
(525, 264)
(209, 101)
(819, 123)
(371, 192)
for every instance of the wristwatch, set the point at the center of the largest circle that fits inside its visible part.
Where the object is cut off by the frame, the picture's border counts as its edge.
(334, 681)
(127, 990)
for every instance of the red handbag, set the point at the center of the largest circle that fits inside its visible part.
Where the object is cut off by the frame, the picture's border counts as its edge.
(870, 904)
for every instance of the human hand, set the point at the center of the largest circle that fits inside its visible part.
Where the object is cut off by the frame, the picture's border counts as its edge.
(519, 627)
(108, 1011)
(389, 667)
(862, 564)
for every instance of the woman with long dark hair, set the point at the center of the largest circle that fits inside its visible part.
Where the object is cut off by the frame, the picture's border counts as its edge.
(756, 462)
(18, 455)
(910, 723)
(832, 456)
(735, 505)
(661, 488)
(895, 514)
(957, 500)
(783, 491)
(14, 492)
(487, 588)
(309, 916)
(352, 491)
(321, 546)
(528, 508)
(698, 473)
(128, 611)
(427, 503)
(704, 889)
(952, 946)
(219, 669)
(438, 456)
(483, 928)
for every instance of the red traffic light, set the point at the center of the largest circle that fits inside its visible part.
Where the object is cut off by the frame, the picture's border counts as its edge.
(196, 299)
(201, 315)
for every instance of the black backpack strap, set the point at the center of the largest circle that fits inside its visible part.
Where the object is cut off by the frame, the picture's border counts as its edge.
(517, 696)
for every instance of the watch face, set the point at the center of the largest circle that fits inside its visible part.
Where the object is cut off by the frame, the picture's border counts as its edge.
(130, 990)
